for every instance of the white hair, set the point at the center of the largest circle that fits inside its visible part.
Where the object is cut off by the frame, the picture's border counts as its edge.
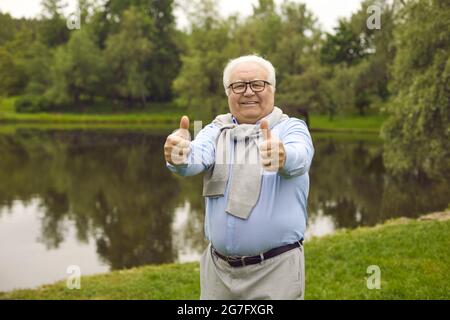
(232, 64)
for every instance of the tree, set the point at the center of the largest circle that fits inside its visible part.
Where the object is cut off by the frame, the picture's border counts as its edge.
(345, 46)
(76, 72)
(165, 60)
(198, 85)
(267, 27)
(301, 80)
(361, 56)
(13, 77)
(417, 133)
(127, 54)
(38, 60)
(53, 29)
(307, 92)
(9, 27)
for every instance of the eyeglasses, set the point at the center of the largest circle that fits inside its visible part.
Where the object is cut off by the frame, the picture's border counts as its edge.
(241, 86)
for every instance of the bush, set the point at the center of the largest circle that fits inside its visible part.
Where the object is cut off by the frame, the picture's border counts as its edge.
(33, 104)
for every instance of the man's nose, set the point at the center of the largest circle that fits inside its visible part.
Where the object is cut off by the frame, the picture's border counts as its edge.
(248, 91)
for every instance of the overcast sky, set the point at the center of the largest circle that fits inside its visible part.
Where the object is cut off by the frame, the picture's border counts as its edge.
(327, 11)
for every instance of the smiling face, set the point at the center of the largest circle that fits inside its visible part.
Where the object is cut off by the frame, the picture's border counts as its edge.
(249, 107)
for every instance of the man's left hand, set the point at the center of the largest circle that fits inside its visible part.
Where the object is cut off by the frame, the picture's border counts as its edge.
(273, 155)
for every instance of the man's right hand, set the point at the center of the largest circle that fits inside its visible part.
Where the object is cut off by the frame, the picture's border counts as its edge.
(177, 146)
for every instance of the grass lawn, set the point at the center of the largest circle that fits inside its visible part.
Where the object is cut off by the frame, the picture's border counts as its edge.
(161, 116)
(370, 123)
(413, 257)
(165, 115)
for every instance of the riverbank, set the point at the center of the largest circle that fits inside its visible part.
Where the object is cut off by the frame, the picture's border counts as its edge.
(412, 256)
(165, 116)
(8, 115)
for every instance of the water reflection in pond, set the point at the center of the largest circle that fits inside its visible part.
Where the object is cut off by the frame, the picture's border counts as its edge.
(103, 200)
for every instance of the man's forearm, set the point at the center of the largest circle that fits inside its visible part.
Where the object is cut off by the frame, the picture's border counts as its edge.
(298, 160)
(299, 151)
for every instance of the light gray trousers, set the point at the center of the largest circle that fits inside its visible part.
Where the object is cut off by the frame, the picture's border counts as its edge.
(278, 278)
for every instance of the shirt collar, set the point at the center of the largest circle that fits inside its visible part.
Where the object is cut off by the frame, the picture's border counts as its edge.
(233, 118)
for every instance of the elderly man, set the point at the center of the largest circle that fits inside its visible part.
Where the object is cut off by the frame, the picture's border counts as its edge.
(256, 161)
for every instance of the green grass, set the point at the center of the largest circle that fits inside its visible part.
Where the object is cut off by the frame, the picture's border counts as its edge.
(343, 136)
(369, 124)
(413, 257)
(135, 118)
(172, 281)
(167, 115)
(7, 105)
(160, 129)
(157, 116)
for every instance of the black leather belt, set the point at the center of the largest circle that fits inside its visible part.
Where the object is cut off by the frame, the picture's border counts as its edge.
(240, 261)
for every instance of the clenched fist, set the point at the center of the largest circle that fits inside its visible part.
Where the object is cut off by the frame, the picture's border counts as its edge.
(177, 146)
(273, 155)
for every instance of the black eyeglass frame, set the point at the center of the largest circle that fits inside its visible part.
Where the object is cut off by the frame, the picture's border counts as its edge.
(247, 83)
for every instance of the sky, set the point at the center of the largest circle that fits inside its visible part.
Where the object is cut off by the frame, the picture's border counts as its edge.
(327, 11)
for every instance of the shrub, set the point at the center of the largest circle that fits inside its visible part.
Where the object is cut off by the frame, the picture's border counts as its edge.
(33, 104)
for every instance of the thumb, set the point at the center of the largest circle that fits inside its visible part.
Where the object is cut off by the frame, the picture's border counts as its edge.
(265, 129)
(184, 122)
(183, 131)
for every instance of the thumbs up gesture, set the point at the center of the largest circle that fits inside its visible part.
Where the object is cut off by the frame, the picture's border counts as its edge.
(271, 149)
(177, 146)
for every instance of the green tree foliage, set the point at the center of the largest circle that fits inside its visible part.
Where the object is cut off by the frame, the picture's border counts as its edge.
(160, 65)
(132, 55)
(16, 38)
(288, 39)
(199, 84)
(53, 29)
(361, 56)
(13, 77)
(266, 24)
(9, 27)
(137, 40)
(301, 79)
(345, 46)
(418, 132)
(37, 63)
(76, 72)
(127, 54)
(165, 60)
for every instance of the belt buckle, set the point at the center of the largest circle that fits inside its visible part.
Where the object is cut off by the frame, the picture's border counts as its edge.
(231, 259)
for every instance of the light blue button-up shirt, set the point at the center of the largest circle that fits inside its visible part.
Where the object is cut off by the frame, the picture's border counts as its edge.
(280, 215)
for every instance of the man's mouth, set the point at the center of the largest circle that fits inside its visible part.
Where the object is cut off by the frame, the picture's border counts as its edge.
(249, 103)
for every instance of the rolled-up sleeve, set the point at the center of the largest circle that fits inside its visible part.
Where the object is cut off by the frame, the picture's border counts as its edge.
(298, 147)
(202, 154)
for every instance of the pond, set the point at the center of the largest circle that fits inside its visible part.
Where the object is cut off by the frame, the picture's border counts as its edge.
(103, 200)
